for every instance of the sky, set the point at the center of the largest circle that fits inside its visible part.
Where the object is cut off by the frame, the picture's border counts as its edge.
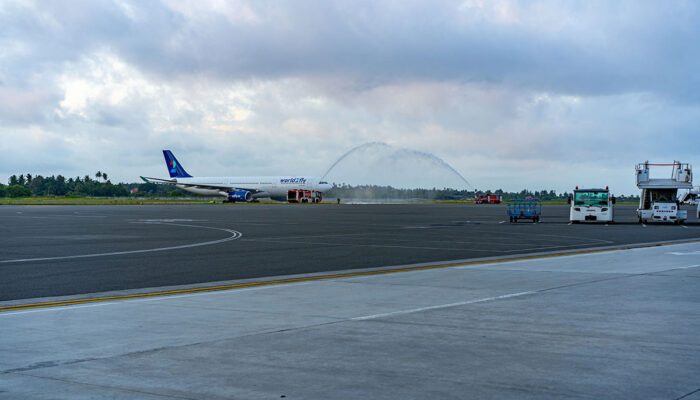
(510, 94)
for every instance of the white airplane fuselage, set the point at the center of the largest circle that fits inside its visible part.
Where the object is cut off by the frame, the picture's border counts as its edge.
(275, 187)
(243, 188)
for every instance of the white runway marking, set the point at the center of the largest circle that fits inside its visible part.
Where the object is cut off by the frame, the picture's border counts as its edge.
(461, 303)
(689, 266)
(683, 226)
(234, 235)
(681, 253)
(502, 222)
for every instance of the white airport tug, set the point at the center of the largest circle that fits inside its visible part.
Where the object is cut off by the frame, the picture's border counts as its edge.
(659, 199)
(591, 205)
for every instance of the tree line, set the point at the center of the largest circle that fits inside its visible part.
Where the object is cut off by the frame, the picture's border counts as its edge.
(27, 185)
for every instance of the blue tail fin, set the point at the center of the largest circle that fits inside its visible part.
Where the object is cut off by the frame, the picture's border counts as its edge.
(174, 167)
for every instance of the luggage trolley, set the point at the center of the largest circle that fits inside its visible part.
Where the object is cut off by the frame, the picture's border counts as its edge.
(524, 209)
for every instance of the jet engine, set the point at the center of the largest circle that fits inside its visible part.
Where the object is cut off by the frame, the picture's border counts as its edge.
(240, 195)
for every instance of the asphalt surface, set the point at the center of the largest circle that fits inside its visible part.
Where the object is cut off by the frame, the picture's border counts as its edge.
(69, 250)
(618, 324)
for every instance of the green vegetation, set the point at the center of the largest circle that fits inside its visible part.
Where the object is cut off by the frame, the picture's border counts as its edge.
(39, 186)
(18, 191)
(72, 200)
(28, 189)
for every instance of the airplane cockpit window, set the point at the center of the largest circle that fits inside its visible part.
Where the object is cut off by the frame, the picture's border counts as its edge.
(323, 183)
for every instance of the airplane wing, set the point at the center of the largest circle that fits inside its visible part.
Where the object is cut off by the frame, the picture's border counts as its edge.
(222, 187)
(158, 180)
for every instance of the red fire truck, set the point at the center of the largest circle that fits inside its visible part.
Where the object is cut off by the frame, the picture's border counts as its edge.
(481, 198)
(304, 196)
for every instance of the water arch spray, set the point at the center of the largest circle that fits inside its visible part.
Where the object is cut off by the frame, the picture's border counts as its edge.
(378, 163)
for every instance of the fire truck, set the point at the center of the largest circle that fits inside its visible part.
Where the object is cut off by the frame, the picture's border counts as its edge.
(304, 196)
(481, 198)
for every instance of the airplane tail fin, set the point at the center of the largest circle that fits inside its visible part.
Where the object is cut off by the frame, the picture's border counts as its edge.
(174, 167)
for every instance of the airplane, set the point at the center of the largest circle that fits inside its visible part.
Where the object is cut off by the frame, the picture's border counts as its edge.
(243, 188)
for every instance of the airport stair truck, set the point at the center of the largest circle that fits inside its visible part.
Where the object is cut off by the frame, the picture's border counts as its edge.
(591, 205)
(659, 199)
(692, 198)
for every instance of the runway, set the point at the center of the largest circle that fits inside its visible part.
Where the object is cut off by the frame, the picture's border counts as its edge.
(50, 251)
(344, 302)
(615, 325)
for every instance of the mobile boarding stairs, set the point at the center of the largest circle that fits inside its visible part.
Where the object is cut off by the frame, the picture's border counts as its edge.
(659, 199)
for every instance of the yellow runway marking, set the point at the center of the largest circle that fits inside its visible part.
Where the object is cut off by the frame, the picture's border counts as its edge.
(320, 277)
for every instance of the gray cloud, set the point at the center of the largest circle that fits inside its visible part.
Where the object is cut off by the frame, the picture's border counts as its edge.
(238, 86)
(606, 47)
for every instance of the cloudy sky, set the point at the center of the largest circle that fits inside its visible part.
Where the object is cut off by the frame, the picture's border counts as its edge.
(513, 95)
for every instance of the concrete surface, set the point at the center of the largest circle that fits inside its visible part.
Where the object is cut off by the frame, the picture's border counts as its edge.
(613, 325)
(72, 250)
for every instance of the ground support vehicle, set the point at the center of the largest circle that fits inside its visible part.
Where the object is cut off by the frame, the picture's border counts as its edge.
(659, 199)
(524, 209)
(304, 196)
(487, 199)
(591, 205)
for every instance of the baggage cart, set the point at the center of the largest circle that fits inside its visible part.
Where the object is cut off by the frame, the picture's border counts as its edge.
(524, 209)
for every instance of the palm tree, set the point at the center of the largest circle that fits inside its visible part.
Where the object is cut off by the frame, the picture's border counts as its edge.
(98, 174)
(104, 175)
